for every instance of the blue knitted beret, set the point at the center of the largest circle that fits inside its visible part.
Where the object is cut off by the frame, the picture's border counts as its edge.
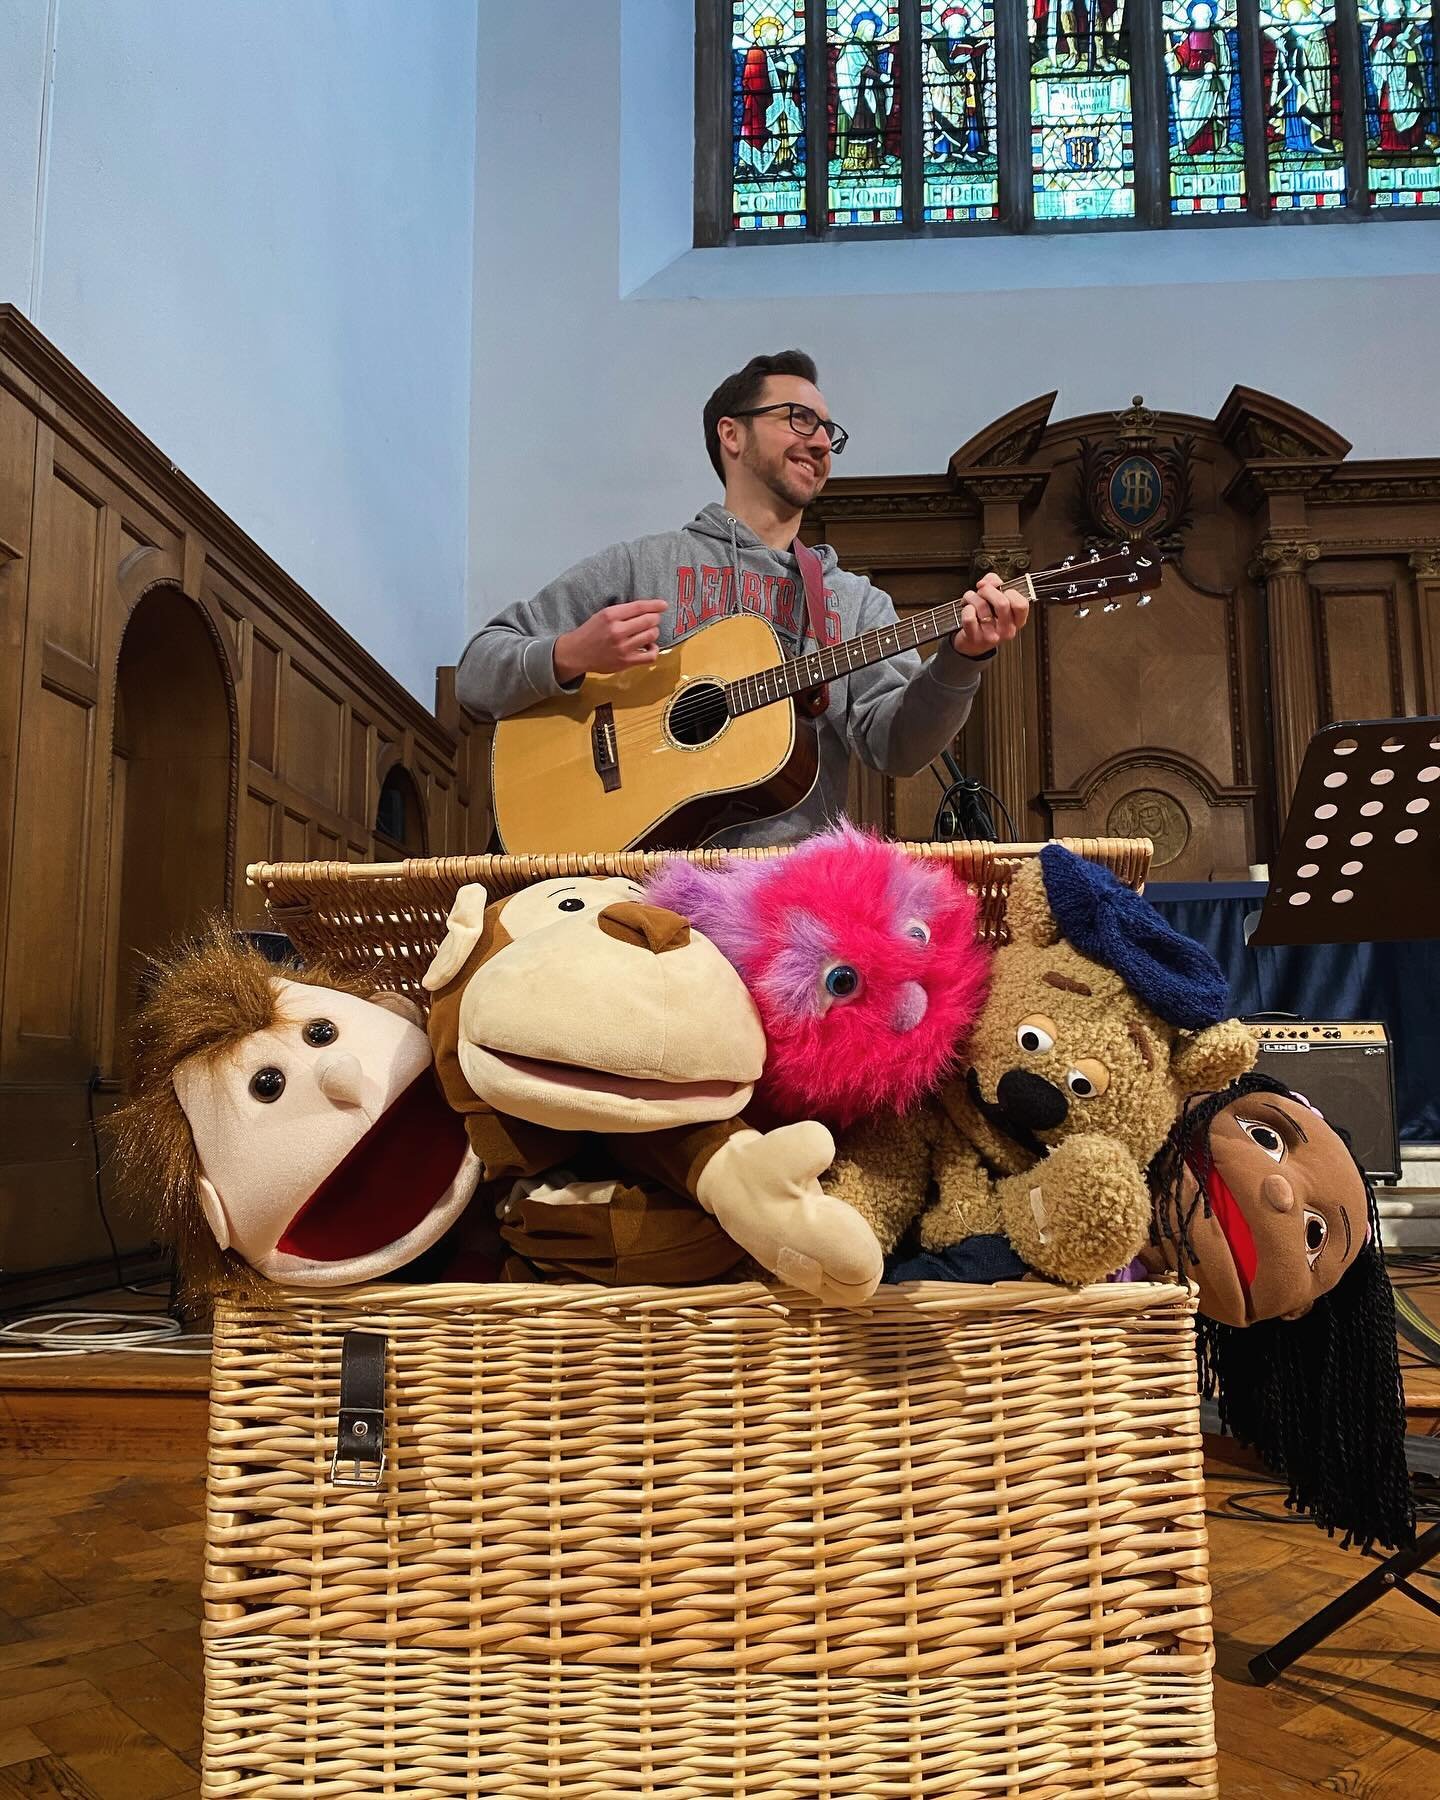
(1178, 979)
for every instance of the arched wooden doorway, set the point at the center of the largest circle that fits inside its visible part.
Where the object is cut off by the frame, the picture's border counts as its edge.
(173, 800)
(400, 818)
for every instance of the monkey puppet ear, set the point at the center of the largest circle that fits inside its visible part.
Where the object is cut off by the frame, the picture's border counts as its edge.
(401, 1005)
(462, 934)
(213, 1208)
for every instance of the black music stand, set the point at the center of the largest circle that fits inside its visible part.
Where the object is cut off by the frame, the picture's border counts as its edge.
(1359, 863)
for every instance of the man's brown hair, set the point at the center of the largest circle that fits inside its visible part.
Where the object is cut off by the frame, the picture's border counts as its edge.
(743, 389)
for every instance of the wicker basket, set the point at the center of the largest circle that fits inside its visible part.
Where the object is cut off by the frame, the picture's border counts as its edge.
(704, 1543)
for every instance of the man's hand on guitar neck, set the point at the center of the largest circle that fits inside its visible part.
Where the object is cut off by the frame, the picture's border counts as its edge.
(617, 637)
(991, 614)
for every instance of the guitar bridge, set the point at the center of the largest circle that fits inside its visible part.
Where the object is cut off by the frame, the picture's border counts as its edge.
(604, 748)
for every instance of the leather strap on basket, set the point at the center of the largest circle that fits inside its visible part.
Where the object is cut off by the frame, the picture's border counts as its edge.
(359, 1459)
(817, 700)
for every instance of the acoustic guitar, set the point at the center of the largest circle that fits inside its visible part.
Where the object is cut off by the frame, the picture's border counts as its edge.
(708, 735)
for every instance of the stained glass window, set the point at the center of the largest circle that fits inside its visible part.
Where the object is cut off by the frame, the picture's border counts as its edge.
(863, 138)
(1082, 133)
(962, 165)
(1145, 111)
(768, 108)
(1207, 127)
(1304, 131)
(1402, 106)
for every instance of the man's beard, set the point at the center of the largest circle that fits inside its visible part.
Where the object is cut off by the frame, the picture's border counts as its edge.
(784, 481)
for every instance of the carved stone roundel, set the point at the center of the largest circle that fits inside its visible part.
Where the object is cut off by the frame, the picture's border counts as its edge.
(1146, 812)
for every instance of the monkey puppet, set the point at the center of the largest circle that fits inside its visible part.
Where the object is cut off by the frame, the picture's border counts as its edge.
(287, 1122)
(1261, 1204)
(571, 1017)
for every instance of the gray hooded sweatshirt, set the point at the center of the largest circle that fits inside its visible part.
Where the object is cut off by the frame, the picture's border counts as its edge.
(895, 715)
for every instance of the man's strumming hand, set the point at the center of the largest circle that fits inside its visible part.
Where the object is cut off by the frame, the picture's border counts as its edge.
(624, 636)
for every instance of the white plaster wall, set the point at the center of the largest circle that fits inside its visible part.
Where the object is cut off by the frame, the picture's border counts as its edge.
(598, 332)
(253, 233)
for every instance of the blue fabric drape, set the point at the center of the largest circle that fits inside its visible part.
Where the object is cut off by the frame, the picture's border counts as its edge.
(1395, 983)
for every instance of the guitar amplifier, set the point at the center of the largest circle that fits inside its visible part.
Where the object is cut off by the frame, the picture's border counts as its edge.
(1347, 1070)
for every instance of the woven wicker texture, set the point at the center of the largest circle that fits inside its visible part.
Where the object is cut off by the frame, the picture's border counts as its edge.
(714, 1542)
(393, 914)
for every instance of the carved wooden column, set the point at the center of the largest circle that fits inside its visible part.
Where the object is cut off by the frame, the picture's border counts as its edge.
(1281, 565)
(997, 470)
(1425, 566)
(1003, 711)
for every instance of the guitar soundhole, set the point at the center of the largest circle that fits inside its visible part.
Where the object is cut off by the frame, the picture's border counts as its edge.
(697, 715)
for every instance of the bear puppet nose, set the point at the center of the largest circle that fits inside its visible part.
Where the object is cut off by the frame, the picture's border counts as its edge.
(1030, 1100)
(650, 928)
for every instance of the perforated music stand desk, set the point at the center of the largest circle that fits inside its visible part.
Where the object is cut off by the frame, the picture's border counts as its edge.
(1359, 863)
(1360, 859)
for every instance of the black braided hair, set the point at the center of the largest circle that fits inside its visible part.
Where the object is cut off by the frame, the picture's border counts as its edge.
(1318, 1398)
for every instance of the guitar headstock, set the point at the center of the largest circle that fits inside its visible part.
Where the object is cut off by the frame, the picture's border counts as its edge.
(1109, 578)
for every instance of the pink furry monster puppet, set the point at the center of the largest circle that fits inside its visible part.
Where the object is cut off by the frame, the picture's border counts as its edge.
(863, 962)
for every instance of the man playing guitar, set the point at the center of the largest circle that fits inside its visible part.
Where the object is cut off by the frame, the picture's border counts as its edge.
(770, 439)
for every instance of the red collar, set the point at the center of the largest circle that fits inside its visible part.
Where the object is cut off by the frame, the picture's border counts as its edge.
(387, 1183)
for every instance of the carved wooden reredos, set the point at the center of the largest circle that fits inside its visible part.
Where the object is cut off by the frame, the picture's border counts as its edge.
(1300, 588)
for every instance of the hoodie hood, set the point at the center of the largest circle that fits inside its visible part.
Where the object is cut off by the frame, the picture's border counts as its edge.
(714, 522)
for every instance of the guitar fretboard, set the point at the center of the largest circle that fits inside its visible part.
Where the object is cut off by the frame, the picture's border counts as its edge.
(802, 673)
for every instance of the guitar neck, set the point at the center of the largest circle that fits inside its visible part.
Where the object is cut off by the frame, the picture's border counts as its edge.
(803, 673)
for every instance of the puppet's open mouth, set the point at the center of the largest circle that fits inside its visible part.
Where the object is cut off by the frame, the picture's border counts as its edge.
(1234, 1227)
(605, 1081)
(405, 1164)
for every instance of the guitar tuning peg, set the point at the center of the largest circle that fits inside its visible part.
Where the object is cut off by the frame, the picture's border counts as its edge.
(1102, 584)
(1143, 562)
(1082, 612)
(1111, 606)
(1067, 562)
(1144, 600)
(1072, 588)
(1125, 549)
(1094, 556)
(1133, 579)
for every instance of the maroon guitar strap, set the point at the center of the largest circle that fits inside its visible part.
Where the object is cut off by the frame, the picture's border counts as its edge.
(818, 699)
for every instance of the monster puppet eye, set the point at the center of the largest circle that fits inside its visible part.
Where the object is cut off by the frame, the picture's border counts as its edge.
(267, 1085)
(917, 929)
(842, 982)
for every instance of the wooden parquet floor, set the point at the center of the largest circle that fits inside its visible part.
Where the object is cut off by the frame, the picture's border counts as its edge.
(100, 1670)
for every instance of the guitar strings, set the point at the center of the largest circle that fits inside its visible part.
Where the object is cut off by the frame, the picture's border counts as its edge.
(1051, 584)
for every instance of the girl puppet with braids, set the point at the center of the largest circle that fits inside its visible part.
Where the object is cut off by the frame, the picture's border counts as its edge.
(1261, 1203)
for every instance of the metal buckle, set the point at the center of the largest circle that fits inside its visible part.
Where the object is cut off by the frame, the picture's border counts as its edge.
(362, 1472)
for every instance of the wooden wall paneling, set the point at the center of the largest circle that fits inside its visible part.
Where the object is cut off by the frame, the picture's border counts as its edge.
(1358, 638)
(47, 957)
(313, 757)
(1425, 568)
(17, 484)
(264, 701)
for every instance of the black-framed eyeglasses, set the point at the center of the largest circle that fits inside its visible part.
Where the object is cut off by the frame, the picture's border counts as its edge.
(804, 422)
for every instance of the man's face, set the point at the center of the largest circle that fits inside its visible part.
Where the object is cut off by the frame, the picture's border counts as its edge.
(1288, 1212)
(792, 467)
(1202, 15)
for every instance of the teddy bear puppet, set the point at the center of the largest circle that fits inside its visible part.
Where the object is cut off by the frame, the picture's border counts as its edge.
(286, 1122)
(579, 1027)
(1259, 1201)
(1100, 1020)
